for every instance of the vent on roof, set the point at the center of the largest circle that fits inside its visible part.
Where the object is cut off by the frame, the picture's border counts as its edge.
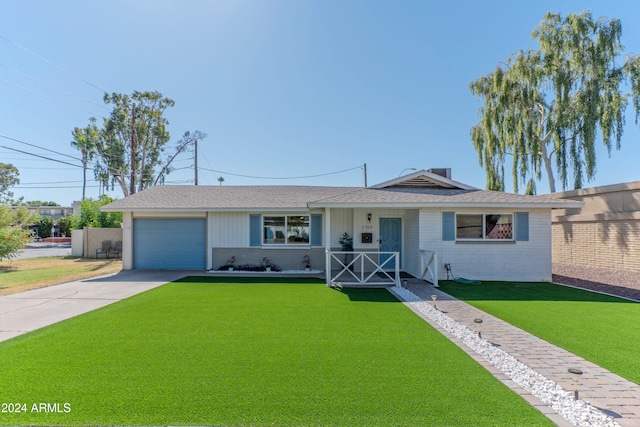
(445, 172)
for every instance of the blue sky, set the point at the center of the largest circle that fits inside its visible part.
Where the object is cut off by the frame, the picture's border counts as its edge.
(283, 88)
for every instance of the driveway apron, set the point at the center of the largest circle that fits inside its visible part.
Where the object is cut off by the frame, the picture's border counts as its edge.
(27, 311)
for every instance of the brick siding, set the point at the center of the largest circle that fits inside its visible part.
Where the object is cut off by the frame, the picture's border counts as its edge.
(608, 244)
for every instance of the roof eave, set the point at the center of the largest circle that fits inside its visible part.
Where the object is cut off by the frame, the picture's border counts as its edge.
(204, 209)
(449, 205)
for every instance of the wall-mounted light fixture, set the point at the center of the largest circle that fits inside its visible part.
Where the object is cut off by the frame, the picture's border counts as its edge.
(369, 217)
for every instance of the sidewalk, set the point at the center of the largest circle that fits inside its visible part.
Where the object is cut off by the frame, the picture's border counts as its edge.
(612, 394)
(30, 310)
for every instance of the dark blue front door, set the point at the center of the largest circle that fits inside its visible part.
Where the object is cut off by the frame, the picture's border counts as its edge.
(390, 239)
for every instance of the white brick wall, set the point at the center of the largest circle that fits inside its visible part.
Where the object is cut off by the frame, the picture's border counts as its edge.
(520, 261)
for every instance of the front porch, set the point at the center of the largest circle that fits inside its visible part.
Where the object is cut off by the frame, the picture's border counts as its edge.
(373, 269)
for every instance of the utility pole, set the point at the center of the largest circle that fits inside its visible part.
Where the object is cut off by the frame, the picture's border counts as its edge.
(196, 161)
(133, 151)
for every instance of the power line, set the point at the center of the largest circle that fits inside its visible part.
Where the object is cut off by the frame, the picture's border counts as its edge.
(56, 187)
(48, 97)
(42, 157)
(49, 182)
(52, 86)
(35, 146)
(42, 58)
(288, 177)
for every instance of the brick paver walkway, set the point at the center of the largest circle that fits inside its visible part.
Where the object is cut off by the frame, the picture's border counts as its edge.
(614, 395)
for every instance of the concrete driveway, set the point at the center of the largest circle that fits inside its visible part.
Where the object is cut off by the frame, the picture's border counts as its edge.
(27, 311)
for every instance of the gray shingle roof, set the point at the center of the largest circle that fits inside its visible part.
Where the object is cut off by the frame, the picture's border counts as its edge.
(245, 198)
(432, 197)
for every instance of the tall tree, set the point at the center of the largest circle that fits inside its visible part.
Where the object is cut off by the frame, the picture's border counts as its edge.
(86, 140)
(8, 178)
(114, 151)
(128, 151)
(555, 102)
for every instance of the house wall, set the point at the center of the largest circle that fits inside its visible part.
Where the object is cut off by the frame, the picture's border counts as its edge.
(605, 232)
(228, 229)
(228, 235)
(411, 258)
(521, 260)
(341, 222)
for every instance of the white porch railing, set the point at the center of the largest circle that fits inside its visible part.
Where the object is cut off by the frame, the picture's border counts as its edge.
(362, 268)
(429, 267)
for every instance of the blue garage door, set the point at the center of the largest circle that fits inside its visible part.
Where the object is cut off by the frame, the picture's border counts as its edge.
(169, 244)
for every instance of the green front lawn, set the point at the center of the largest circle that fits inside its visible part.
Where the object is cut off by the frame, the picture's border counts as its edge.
(599, 328)
(207, 351)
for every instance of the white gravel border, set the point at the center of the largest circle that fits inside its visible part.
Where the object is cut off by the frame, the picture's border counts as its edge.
(577, 412)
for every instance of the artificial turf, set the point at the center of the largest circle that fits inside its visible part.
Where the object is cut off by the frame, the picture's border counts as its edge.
(600, 328)
(207, 351)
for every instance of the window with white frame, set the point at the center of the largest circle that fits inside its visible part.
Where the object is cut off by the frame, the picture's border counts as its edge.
(484, 226)
(285, 230)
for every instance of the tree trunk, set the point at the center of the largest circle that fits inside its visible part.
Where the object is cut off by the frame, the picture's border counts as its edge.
(546, 158)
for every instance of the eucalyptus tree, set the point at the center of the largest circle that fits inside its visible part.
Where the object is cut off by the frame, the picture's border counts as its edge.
(548, 107)
(128, 151)
(132, 140)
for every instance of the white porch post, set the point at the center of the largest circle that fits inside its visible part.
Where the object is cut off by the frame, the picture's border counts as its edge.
(327, 245)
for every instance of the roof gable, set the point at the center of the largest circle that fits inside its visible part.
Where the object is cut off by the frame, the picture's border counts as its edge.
(423, 179)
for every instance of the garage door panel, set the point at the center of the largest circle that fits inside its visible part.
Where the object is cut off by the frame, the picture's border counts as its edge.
(169, 244)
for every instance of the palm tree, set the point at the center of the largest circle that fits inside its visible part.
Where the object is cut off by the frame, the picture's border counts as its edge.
(220, 180)
(85, 140)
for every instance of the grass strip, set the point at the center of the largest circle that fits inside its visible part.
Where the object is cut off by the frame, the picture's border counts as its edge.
(600, 328)
(240, 352)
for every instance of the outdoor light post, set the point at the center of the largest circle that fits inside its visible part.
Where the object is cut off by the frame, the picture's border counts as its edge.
(479, 323)
(434, 298)
(576, 378)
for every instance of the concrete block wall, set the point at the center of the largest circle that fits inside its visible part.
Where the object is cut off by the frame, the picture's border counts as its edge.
(604, 233)
(602, 244)
(93, 237)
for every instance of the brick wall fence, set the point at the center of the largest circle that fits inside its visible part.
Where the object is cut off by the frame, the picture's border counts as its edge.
(605, 232)
(608, 244)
